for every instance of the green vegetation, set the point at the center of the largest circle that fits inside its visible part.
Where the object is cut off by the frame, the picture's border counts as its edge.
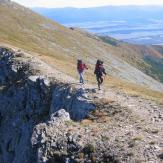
(146, 59)
(109, 40)
(81, 155)
(156, 68)
(89, 148)
(152, 143)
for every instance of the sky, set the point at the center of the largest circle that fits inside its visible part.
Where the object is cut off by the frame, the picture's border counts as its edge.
(84, 3)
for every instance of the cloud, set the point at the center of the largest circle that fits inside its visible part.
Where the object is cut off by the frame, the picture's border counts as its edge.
(85, 3)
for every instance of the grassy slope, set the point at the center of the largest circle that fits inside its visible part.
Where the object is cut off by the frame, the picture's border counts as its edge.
(159, 48)
(59, 46)
(148, 59)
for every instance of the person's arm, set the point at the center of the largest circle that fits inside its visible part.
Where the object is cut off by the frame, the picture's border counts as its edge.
(104, 72)
(95, 71)
(85, 66)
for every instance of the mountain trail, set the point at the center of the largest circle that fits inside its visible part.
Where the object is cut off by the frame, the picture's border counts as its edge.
(147, 109)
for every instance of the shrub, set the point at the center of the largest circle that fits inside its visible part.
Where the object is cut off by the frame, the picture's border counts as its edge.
(89, 148)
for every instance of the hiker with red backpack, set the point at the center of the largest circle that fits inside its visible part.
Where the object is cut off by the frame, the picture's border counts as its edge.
(80, 68)
(99, 72)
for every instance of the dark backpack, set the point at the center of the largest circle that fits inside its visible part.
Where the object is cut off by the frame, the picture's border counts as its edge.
(99, 69)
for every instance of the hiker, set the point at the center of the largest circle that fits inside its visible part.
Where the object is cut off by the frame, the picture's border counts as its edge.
(99, 72)
(80, 68)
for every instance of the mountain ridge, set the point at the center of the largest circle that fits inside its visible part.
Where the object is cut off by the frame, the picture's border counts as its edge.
(104, 13)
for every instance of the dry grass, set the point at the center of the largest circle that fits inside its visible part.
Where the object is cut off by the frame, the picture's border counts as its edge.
(137, 138)
(134, 90)
(104, 101)
(86, 122)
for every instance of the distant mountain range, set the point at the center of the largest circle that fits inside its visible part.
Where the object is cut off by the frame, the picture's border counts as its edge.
(112, 13)
(133, 24)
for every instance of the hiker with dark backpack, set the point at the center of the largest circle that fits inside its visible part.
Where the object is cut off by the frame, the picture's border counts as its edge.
(99, 72)
(80, 68)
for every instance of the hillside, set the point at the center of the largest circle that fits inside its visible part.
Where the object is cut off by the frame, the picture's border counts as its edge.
(159, 48)
(148, 59)
(120, 22)
(61, 47)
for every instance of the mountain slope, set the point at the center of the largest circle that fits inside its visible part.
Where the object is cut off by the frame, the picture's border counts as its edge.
(148, 59)
(145, 58)
(60, 46)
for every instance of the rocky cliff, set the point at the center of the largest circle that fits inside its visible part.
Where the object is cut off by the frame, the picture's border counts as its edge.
(26, 99)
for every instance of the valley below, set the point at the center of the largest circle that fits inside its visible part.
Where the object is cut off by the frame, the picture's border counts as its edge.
(148, 32)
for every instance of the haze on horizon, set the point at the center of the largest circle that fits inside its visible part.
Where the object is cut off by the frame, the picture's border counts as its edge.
(84, 3)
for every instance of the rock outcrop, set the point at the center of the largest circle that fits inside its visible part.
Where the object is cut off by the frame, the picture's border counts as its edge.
(73, 101)
(57, 141)
(27, 99)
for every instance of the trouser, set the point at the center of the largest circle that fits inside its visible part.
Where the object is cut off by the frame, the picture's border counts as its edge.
(99, 80)
(81, 78)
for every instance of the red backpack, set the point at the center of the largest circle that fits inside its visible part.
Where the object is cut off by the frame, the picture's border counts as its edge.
(81, 66)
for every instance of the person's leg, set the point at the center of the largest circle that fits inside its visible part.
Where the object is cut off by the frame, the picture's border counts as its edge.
(81, 78)
(98, 82)
(101, 78)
